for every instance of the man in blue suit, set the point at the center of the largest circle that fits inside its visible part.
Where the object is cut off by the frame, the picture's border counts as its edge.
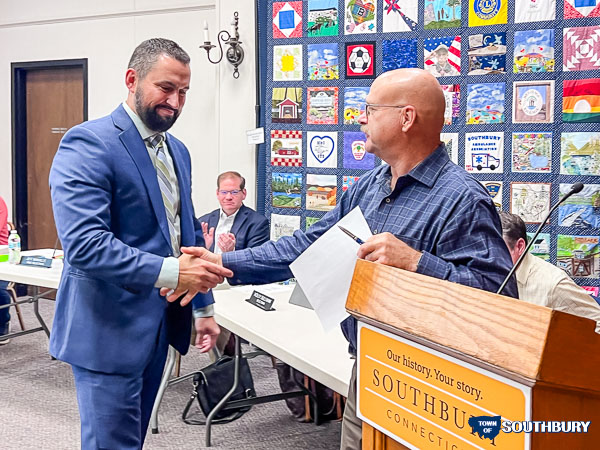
(234, 226)
(121, 194)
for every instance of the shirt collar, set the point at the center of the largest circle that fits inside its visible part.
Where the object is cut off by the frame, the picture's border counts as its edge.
(426, 172)
(144, 131)
(223, 216)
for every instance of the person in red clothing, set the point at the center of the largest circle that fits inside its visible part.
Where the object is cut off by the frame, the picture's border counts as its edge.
(4, 297)
(3, 222)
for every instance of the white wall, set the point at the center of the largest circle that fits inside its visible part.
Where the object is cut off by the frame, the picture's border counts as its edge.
(218, 110)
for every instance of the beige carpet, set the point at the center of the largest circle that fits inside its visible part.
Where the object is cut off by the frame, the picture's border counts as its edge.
(38, 408)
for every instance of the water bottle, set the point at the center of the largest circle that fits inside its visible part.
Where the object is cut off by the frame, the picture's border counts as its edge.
(14, 247)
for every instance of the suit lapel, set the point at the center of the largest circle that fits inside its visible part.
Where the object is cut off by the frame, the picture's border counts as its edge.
(240, 218)
(133, 143)
(213, 221)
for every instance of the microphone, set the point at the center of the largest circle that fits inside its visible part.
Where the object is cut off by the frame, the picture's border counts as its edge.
(575, 189)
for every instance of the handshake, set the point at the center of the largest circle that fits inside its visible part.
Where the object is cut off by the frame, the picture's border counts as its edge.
(199, 271)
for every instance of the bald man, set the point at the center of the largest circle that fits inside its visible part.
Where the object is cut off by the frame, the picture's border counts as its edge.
(427, 214)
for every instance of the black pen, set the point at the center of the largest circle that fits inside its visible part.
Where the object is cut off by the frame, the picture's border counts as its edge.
(353, 236)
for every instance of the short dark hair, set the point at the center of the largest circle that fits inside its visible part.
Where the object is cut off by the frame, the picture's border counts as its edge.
(513, 228)
(231, 174)
(147, 53)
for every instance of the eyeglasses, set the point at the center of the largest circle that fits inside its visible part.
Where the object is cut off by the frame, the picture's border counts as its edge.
(369, 108)
(233, 192)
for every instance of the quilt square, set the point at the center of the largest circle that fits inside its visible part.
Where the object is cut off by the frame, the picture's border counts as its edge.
(286, 148)
(360, 60)
(321, 149)
(530, 201)
(533, 101)
(355, 155)
(487, 12)
(580, 48)
(534, 10)
(452, 96)
(487, 53)
(322, 106)
(484, 152)
(400, 15)
(442, 56)
(441, 14)
(577, 9)
(580, 210)
(323, 62)
(321, 192)
(580, 153)
(485, 103)
(581, 101)
(399, 54)
(354, 104)
(287, 63)
(532, 152)
(534, 51)
(286, 105)
(361, 16)
(577, 255)
(322, 18)
(287, 19)
(286, 188)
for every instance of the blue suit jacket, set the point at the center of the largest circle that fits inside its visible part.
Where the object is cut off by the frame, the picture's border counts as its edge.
(111, 222)
(250, 228)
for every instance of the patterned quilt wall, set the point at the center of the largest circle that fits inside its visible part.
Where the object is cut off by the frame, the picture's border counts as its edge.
(522, 85)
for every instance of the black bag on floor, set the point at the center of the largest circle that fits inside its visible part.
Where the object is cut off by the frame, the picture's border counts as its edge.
(213, 382)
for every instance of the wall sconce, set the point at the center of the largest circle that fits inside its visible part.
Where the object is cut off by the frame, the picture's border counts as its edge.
(235, 53)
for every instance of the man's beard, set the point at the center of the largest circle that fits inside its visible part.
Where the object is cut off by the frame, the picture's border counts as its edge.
(150, 117)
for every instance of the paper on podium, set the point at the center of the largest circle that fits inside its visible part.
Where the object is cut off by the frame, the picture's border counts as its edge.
(325, 268)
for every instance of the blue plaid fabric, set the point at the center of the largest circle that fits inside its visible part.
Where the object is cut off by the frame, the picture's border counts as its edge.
(437, 208)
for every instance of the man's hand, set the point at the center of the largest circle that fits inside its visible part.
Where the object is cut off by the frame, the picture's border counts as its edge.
(204, 254)
(196, 274)
(226, 242)
(386, 249)
(207, 332)
(209, 235)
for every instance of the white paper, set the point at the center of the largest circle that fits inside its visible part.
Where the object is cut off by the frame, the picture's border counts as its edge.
(325, 268)
(256, 136)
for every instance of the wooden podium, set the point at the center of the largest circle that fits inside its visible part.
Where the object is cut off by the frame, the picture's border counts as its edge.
(433, 354)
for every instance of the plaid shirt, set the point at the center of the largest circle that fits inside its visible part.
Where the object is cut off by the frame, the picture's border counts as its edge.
(437, 208)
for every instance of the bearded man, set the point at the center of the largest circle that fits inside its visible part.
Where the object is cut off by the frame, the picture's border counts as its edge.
(121, 195)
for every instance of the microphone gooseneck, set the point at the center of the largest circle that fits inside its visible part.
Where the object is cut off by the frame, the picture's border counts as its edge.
(576, 188)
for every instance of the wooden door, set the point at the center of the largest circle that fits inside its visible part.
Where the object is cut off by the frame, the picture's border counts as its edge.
(54, 103)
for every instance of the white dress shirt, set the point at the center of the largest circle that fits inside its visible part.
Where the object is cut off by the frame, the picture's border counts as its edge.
(224, 226)
(169, 272)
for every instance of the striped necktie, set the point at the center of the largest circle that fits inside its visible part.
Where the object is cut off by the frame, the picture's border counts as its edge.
(164, 174)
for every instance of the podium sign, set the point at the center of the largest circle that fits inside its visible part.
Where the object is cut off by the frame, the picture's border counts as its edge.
(424, 399)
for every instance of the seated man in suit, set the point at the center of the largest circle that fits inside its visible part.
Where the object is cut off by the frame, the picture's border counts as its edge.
(233, 226)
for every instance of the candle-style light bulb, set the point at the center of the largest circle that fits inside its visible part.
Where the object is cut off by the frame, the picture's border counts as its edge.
(206, 38)
(233, 27)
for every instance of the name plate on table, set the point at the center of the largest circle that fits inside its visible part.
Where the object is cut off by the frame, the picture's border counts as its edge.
(426, 399)
(36, 261)
(262, 301)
